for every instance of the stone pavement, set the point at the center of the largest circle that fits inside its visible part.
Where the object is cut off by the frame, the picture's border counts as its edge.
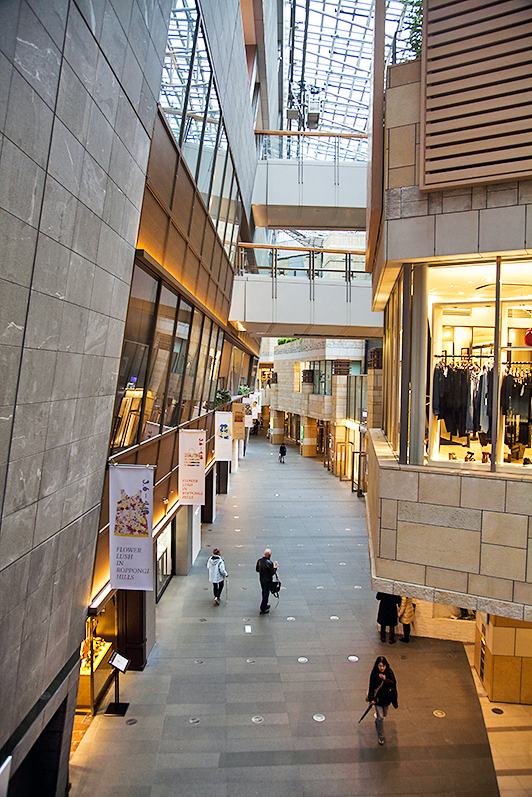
(220, 710)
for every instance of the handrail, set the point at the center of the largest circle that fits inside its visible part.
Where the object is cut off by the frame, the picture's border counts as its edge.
(315, 133)
(284, 247)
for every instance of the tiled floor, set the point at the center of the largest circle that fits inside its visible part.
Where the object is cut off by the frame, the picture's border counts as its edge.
(222, 711)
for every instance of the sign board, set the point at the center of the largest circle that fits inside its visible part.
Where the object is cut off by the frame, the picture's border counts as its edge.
(130, 526)
(248, 410)
(118, 661)
(223, 436)
(239, 422)
(191, 474)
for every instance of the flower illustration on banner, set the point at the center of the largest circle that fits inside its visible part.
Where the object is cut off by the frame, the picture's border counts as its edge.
(131, 516)
(223, 431)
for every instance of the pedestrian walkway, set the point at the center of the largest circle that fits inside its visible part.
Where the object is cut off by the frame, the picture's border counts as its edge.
(241, 705)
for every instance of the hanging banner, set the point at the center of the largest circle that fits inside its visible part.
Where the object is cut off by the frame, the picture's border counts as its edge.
(223, 436)
(130, 527)
(239, 423)
(254, 406)
(191, 474)
(248, 410)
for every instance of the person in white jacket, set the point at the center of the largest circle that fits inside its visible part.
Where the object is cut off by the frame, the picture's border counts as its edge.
(217, 574)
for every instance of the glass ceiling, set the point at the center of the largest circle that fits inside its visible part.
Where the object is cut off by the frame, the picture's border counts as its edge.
(329, 53)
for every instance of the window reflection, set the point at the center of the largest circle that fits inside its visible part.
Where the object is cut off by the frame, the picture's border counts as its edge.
(219, 174)
(182, 33)
(177, 365)
(190, 370)
(200, 371)
(159, 362)
(132, 376)
(200, 86)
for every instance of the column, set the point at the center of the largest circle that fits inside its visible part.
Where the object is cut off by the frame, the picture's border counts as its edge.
(419, 364)
(308, 443)
(278, 428)
(234, 458)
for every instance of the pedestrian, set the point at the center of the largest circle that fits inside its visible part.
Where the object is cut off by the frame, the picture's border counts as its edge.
(382, 691)
(387, 615)
(406, 616)
(282, 453)
(266, 570)
(217, 573)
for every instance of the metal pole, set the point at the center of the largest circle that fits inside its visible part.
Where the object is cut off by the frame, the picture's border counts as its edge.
(419, 364)
(496, 375)
(405, 365)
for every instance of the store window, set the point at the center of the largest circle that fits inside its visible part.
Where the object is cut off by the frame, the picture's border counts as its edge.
(134, 363)
(211, 139)
(201, 368)
(191, 367)
(177, 365)
(159, 364)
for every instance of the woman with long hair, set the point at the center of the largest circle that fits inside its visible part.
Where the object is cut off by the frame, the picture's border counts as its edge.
(382, 691)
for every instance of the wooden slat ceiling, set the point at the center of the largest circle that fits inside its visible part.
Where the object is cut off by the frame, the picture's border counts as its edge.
(476, 123)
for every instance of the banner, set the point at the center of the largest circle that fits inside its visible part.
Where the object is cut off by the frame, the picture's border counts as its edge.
(248, 410)
(191, 474)
(223, 436)
(239, 423)
(255, 404)
(130, 527)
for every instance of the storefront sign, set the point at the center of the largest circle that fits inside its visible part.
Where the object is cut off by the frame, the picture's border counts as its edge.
(130, 526)
(239, 422)
(223, 436)
(191, 474)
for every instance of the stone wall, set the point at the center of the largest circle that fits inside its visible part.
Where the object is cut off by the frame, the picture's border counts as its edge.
(450, 536)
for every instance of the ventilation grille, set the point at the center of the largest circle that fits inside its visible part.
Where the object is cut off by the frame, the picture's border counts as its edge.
(477, 113)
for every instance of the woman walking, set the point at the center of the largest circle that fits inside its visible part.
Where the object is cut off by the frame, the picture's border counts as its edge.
(217, 573)
(382, 691)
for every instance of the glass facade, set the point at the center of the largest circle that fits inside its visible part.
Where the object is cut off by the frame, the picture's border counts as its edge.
(190, 103)
(322, 377)
(170, 363)
(479, 380)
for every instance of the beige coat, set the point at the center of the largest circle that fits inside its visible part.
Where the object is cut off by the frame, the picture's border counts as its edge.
(406, 611)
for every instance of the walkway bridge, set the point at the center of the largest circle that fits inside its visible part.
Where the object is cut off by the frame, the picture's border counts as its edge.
(286, 291)
(309, 180)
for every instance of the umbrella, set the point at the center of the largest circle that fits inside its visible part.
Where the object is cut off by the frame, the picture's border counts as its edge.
(366, 711)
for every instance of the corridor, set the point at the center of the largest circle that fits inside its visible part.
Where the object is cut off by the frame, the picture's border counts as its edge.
(235, 704)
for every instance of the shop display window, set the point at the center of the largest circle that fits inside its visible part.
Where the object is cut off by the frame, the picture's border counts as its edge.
(96, 674)
(481, 366)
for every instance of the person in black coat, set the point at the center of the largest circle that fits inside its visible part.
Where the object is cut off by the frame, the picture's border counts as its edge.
(266, 570)
(387, 615)
(382, 691)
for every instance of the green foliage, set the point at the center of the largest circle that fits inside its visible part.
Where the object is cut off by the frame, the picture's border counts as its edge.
(280, 341)
(222, 397)
(244, 390)
(414, 23)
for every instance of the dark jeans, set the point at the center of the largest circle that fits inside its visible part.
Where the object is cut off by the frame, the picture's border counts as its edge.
(406, 631)
(265, 595)
(217, 589)
(383, 632)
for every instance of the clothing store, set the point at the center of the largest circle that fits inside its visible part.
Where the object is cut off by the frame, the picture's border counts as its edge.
(479, 370)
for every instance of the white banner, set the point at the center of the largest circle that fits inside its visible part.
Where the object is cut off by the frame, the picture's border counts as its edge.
(130, 527)
(191, 474)
(255, 404)
(223, 436)
(246, 400)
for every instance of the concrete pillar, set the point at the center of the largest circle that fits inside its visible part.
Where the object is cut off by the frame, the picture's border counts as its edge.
(241, 448)
(234, 457)
(374, 420)
(308, 443)
(418, 379)
(278, 428)
(208, 511)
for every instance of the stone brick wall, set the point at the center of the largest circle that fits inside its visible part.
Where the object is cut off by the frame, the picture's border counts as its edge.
(448, 536)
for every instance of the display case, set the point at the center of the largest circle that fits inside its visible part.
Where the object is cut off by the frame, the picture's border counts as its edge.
(96, 674)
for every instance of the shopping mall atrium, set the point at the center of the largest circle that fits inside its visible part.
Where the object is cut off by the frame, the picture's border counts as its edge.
(228, 226)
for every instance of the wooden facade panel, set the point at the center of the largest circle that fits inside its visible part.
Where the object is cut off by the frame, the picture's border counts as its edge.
(153, 227)
(476, 111)
(208, 243)
(162, 163)
(488, 133)
(473, 82)
(464, 124)
(455, 67)
(176, 249)
(183, 199)
(202, 285)
(197, 226)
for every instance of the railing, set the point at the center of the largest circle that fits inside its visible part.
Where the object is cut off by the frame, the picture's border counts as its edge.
(302, 145)
(306, 263)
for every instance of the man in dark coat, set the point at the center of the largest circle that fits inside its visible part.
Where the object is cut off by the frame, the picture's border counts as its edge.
(387, 615)
(266, 570)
